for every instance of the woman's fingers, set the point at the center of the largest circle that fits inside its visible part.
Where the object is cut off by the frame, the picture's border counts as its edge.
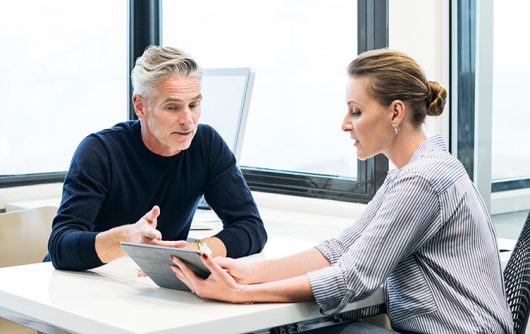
(180, 275)
(224, 262)
(188, 276)
(212, 265)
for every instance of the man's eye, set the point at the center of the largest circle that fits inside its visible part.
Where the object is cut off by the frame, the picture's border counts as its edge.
(171, 108)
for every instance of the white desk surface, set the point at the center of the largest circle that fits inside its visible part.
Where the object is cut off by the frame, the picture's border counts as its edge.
(112, 299)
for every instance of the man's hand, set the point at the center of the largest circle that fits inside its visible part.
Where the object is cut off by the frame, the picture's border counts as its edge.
(215, 244)
(144, 231)
(177, 244)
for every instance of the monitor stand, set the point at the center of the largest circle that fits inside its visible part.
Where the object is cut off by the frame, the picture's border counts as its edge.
(203, 204)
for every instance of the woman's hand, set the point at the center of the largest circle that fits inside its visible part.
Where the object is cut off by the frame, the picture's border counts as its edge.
(242, 272)
(219, 285)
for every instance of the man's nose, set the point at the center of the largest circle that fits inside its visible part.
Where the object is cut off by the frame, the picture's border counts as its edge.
(186, 118)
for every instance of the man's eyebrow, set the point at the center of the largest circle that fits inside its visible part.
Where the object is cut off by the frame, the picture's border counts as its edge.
(172, 99)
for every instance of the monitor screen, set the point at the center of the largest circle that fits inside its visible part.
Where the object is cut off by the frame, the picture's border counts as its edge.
(226, 96)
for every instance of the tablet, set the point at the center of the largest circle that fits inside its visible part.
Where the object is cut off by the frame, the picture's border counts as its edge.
(155, 261)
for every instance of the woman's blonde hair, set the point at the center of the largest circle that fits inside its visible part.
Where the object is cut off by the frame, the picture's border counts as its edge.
(395, 76)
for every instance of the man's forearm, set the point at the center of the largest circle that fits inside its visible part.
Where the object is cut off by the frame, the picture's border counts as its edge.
(108, 243)
(216, 245)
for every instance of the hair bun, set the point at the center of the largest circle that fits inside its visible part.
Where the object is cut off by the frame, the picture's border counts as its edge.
(435, 100)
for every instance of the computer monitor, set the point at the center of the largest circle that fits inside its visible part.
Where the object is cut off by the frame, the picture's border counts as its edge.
(226, 94)
(225, 101)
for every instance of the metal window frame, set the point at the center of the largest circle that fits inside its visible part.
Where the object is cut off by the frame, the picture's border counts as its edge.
(472, 128)
(144, 30)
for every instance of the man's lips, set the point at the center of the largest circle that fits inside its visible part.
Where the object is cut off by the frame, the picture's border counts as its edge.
(183, 133)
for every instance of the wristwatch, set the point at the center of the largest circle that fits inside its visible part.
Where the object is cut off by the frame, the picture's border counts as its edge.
(203, 247)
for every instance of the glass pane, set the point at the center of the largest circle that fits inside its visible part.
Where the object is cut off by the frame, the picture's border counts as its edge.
(64, 75)
(299, 50)
(511, 75)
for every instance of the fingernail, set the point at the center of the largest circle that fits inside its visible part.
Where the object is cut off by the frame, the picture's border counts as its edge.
(204, 256)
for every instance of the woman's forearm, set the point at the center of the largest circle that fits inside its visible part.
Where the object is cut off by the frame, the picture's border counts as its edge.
(290, 266)
(294, 289)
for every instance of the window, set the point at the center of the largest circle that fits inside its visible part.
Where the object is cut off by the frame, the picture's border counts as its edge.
(299, 51)
(510, 164)
(503, 117)
(64, 75)
(75, 73)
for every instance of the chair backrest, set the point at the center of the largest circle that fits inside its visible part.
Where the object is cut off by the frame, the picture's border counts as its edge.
(517, 279)
(24, 235)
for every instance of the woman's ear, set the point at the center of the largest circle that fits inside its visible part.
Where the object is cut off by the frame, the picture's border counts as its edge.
(398, 111)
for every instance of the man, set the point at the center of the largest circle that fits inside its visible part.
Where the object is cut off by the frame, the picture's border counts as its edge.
(140, 181)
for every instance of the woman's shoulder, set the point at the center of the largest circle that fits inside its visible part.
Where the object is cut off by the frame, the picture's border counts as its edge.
(438, 167)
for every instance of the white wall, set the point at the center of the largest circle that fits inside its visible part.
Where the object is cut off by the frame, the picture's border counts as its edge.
(420, 28)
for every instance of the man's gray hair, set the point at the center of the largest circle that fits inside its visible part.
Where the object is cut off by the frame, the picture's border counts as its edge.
(156, 64)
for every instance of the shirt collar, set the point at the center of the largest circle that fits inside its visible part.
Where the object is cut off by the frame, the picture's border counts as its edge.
(435, 143)
(430, 144)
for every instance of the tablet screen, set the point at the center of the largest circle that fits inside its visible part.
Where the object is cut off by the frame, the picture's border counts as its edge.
(155, 261)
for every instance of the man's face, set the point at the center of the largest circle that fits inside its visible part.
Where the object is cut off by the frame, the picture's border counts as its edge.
(170, 116)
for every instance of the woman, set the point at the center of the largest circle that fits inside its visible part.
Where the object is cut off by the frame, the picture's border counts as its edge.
(426, 236)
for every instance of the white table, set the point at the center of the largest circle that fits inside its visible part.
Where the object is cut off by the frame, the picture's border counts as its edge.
(112, 299)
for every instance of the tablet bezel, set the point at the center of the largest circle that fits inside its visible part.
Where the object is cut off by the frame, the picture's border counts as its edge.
(155, 260)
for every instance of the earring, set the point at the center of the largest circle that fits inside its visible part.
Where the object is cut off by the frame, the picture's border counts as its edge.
(396, 128)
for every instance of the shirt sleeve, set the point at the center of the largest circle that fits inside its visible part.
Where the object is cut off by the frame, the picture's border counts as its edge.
(72, 241)
(229, 196)
(409, 215)
(334, 248)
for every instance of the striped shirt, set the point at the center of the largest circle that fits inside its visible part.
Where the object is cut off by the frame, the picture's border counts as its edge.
(427, 237)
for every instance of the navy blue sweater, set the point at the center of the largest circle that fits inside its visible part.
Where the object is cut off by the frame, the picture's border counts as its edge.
(114, 179)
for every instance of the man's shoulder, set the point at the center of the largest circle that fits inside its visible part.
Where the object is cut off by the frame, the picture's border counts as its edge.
(207, 138)
(107, 139)
(119, 129)
(207, 131)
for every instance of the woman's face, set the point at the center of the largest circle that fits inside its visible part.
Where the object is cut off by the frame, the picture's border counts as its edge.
(368, 122)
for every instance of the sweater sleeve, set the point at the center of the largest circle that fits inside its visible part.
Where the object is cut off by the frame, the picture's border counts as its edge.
(72, 241)
(229, 196)
(408, 216)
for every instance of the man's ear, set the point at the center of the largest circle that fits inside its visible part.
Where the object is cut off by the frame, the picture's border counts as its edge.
(398, 111)
(140, 106)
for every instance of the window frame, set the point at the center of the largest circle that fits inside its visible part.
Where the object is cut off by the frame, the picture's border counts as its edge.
(467, 12)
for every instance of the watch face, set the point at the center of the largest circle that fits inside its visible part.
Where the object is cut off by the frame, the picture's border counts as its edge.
(203, 247)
